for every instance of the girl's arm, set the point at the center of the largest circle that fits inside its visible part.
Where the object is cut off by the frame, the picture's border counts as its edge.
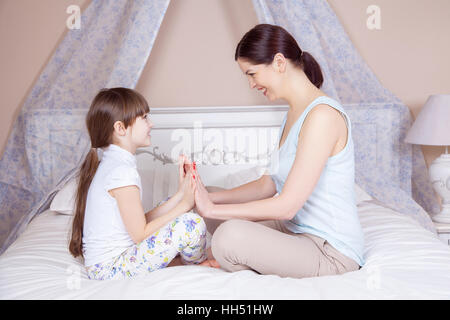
(132, 213)
(183, 164)
(164, 207)
(261, 188)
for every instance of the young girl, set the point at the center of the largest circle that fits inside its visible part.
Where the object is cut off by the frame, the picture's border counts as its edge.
(111, 231)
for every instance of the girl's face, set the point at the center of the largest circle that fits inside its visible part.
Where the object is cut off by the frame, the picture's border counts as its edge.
(261, 77)
(140, 131)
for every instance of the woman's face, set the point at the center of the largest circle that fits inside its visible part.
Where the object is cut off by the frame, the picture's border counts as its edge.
(264, 78)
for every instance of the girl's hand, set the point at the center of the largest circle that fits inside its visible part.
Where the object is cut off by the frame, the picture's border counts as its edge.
(183, 163)
(187, 190)
(203, 204)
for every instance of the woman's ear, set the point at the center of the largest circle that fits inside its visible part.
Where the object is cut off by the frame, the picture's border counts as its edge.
(119, 128)
(279, 62)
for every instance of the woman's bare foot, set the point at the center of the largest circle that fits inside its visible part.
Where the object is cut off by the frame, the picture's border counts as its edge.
(210, 263)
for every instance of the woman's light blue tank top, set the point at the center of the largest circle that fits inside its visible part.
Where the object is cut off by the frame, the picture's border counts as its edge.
(330, 211)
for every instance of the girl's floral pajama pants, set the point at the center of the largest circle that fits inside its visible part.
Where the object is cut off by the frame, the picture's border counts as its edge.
(185, 235)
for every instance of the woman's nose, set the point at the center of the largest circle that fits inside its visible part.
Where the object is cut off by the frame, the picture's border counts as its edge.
(252, 84)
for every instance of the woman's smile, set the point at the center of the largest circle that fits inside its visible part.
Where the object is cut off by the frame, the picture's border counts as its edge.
(263, 89)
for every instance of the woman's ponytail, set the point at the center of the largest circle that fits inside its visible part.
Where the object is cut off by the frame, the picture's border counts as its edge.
(311, 68)
(86, 174)
(260, 45)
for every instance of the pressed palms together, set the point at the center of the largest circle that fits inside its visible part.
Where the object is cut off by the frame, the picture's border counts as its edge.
(203, 203)
(193, 190)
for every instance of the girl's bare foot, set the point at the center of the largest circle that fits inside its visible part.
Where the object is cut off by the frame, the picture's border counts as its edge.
(209, 254)
(175, 262)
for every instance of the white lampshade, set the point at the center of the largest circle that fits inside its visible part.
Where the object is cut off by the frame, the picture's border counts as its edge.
(432, 126)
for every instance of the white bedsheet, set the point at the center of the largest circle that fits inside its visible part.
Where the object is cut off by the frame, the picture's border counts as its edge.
(403, 261)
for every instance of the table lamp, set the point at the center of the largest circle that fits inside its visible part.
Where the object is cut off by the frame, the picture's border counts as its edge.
(432, 127)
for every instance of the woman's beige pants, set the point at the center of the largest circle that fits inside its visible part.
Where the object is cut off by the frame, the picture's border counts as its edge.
(267, 247)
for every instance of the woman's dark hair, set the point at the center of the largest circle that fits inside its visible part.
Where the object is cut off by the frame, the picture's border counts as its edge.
(108, 106)
(264, 41)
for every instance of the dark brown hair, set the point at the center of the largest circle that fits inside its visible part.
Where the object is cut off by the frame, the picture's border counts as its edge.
(264, 41)
(108, 106)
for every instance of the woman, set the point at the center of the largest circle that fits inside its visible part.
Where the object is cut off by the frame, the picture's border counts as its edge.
(311, 228)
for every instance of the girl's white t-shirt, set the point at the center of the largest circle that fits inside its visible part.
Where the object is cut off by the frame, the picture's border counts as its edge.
(104, 234)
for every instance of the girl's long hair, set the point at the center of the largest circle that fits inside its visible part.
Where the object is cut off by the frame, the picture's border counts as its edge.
(261, 43)
(108, 106)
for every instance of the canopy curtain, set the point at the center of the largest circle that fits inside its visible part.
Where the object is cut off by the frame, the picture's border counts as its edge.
(349, 80)
(49, 139)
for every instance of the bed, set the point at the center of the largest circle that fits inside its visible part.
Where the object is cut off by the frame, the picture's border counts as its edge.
(403, 261)
(404, 258)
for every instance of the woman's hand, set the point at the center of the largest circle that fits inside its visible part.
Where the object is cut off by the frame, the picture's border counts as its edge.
(203, 203)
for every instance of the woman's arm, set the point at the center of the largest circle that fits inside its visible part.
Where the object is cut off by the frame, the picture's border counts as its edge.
(261, 188)
(265, 209)
(315, 144)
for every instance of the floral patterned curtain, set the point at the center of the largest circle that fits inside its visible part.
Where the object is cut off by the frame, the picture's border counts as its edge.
(49, 138)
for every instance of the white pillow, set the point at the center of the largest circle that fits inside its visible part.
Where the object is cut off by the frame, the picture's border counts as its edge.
(147, 178)
(64, 200)
(361, 195)
(241, 177)
(164, 183)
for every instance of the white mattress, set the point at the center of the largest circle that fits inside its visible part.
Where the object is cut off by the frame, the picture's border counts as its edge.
(403, 261)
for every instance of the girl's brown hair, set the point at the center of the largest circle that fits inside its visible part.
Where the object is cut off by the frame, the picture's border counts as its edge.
(108, 106)
(264, 41)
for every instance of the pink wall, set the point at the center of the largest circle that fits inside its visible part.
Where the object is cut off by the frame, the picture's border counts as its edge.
(409, 54)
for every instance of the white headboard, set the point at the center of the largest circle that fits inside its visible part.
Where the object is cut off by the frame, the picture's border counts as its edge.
(222, 140)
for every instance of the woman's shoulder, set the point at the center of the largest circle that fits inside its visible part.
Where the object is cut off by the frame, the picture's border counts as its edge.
(332, 103)
(323, 121)
(324, 113)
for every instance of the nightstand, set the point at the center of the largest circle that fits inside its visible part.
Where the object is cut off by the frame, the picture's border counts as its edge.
(443, 230)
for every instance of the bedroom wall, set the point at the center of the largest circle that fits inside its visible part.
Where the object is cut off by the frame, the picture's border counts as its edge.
(409, 54)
